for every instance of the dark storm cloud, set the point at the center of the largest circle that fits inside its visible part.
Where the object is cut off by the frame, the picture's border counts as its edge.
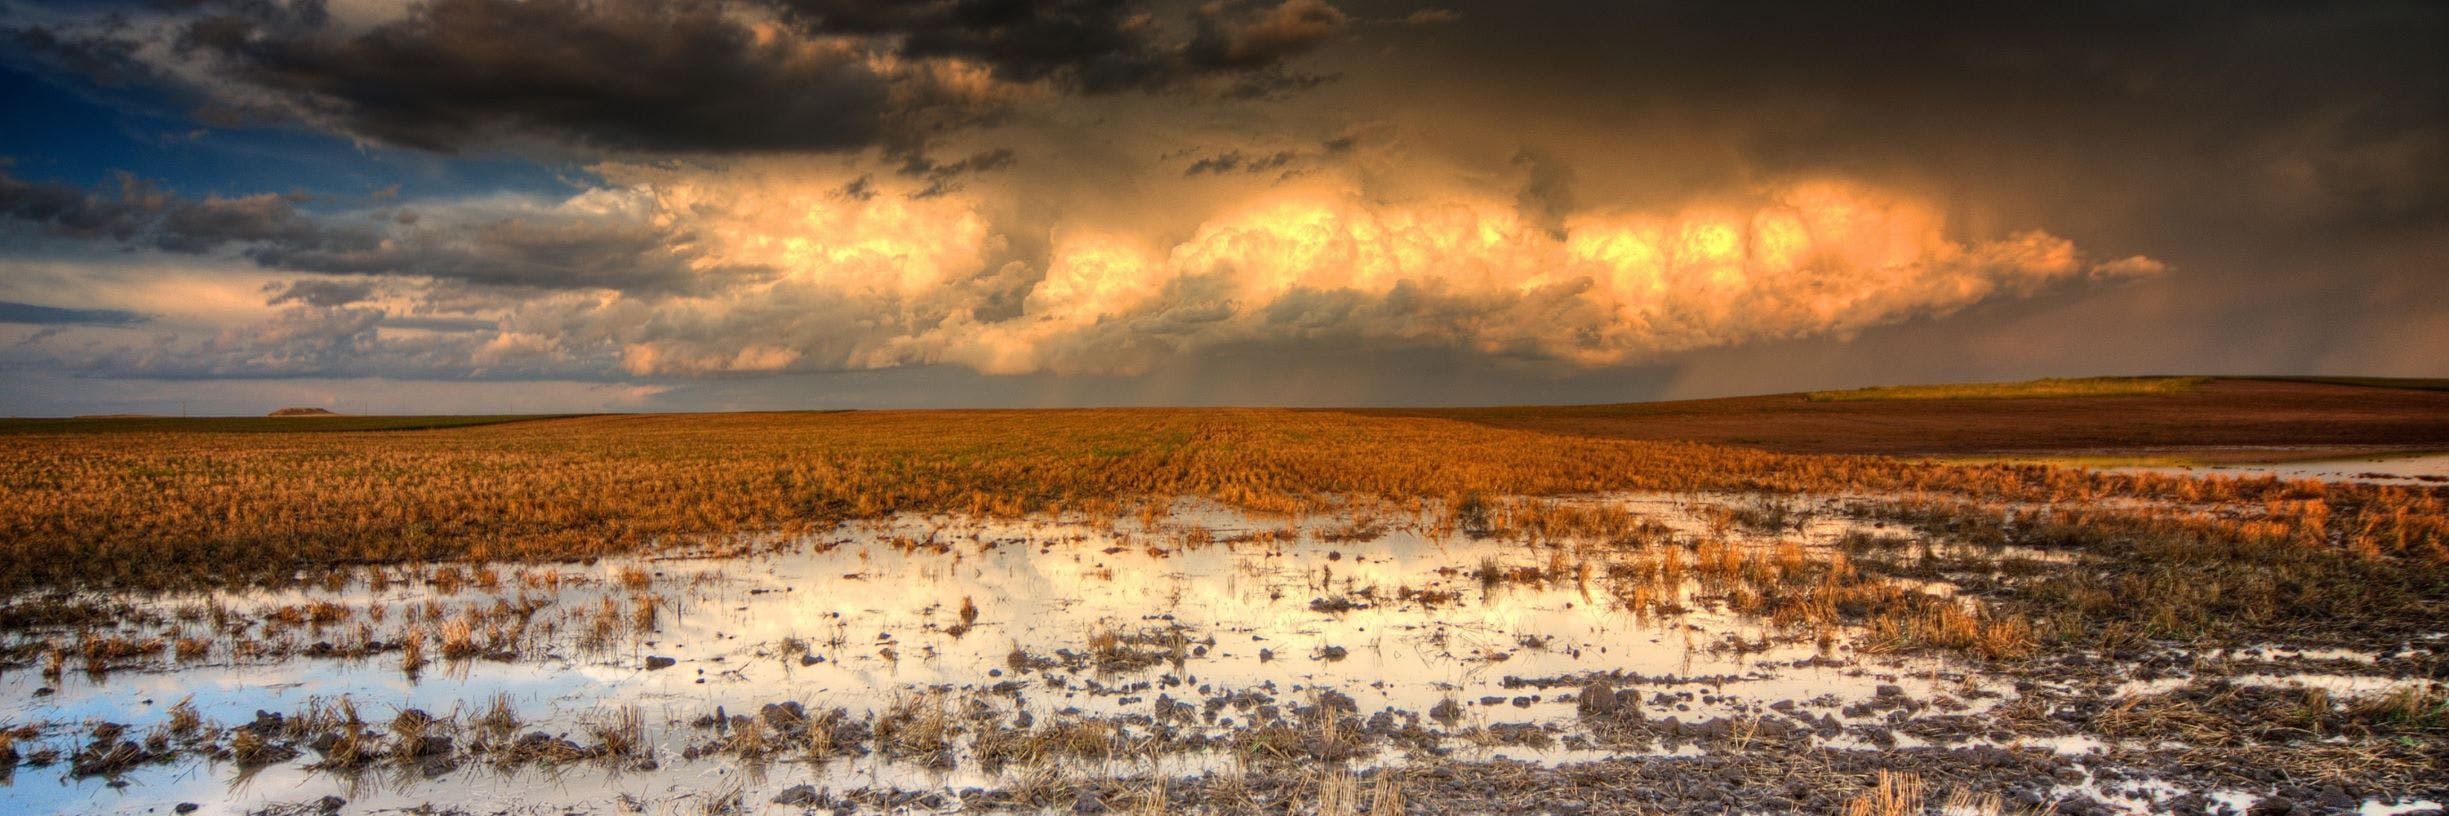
(103, 59)
(32, 314)
(542, 253)
(943, 177)
(1242, 35)
(211, 223)
(862, 188)
(138, 212)
(75, 212)
(1547, 195)
(1234, 160)
(685, 75)
(618, 74)
(2263, 150)
(1220, 163)
(2289, 110)
(1972, 180)
(536, 249)
(1093, 46)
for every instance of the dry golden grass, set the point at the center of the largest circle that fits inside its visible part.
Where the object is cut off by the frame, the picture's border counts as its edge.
(620, 732)
(1895, 794)
(155, 510)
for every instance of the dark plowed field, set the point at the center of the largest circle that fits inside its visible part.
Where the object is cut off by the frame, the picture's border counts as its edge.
(2223, 413)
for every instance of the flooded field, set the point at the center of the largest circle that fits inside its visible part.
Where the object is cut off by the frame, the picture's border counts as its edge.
(1610, 653)
(2383, 468)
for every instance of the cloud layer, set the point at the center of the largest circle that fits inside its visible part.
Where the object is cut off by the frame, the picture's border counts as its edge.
(1140, 199)
(696, 76)
(695, 273)
(1322, 266)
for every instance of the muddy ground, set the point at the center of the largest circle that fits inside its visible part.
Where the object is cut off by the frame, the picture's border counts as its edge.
(1206, 661)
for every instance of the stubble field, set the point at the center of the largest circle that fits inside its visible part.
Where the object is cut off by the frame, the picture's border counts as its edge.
(1231, 611)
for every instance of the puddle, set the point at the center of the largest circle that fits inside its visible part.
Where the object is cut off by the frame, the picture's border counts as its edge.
(1205, 603)
(1172, 634)
(2423, 469)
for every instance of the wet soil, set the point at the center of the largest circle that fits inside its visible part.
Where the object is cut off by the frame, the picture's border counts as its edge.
(1200, 660)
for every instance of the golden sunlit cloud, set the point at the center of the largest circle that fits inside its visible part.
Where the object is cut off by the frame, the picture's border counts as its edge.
(694, 271)
(896, 281)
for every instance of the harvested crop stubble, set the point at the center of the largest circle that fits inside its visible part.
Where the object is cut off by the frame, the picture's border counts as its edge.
(171, 509)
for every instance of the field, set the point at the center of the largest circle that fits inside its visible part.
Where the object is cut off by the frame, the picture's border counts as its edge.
(256, 425)
(1764, 604)
(2034, 389)
(2258, 419)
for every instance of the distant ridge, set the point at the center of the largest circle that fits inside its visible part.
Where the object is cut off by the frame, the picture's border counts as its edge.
(2239, 417)
(303, 412)
(2032, 389)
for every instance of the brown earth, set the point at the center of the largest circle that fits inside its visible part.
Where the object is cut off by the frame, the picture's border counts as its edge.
(2249, 418)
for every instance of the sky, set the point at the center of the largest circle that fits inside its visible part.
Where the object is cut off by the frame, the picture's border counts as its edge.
(483, 206)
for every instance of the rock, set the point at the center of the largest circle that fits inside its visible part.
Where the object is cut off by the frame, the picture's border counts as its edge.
(797, 796)
(653, 663)
(1598, 700)
(186, 807)
(2274, 806)
(325, 742)
(782, 714)
(330, 804)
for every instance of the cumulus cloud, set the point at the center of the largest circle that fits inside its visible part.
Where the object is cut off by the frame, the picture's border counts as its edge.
(1812, 259)
(686, 273)
(598, 239)
(706, 76)
(900, 286)
(1054, 186)
(78, 213)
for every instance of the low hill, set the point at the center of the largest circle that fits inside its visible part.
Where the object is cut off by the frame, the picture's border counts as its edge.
(2218, 417)
(303, 412)
(299, 423)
